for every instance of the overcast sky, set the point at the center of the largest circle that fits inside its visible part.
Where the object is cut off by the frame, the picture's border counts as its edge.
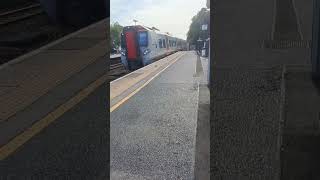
(173, 16)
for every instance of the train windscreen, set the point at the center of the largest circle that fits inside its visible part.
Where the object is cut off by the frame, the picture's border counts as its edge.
(143, 39)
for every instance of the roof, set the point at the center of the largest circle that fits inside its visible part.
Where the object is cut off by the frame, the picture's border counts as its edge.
(157, 31)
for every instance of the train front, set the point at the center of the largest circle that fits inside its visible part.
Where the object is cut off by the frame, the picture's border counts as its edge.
(134, 46)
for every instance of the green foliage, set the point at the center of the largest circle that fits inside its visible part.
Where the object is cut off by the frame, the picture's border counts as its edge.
(115, 34)
(203, 17)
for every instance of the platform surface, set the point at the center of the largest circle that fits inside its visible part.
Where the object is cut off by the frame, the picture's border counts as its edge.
(53, 109)
(153, 133)
(24, 81)
(248, 84)
(121, 87)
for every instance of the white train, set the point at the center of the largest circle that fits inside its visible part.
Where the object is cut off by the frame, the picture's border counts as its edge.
(141, 46)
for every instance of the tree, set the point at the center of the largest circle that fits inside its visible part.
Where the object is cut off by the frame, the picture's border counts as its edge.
(195, 32)
(115, 34)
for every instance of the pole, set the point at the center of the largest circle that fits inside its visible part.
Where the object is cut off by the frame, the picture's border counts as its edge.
(209, 64)
(315, 51)
(135, 22)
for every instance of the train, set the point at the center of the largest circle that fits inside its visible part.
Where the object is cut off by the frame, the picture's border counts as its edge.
(75, 13)
(141, 45)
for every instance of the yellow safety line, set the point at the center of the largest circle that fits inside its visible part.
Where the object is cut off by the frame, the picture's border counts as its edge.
(138, 89)
(37, 127)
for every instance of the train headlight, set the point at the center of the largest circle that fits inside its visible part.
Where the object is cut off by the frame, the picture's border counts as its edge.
(123, 52)
(147, 51)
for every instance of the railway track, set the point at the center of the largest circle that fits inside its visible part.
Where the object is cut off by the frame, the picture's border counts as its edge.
(115, 63)
(26, 28)
(116, 69)
(116, 66)
(20, 14)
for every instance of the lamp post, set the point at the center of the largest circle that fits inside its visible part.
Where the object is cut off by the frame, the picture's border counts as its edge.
(135, 22)
(209, 54)
(204, 29)
(209, 64)
(199, 41)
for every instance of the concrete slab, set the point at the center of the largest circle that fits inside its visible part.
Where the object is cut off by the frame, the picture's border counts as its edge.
(202, 154)
(245, 123)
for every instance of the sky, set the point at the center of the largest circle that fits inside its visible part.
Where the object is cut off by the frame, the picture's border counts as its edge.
(173, 16)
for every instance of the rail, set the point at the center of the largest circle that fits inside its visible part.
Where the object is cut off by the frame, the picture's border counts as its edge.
(20, 14)
(116, 66)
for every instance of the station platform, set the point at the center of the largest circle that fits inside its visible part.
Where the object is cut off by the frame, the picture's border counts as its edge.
(154, 120)
(52, 109)
(265, 122)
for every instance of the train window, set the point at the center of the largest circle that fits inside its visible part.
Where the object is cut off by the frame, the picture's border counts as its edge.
(160, 43)
(143, 38)
(164, 43)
